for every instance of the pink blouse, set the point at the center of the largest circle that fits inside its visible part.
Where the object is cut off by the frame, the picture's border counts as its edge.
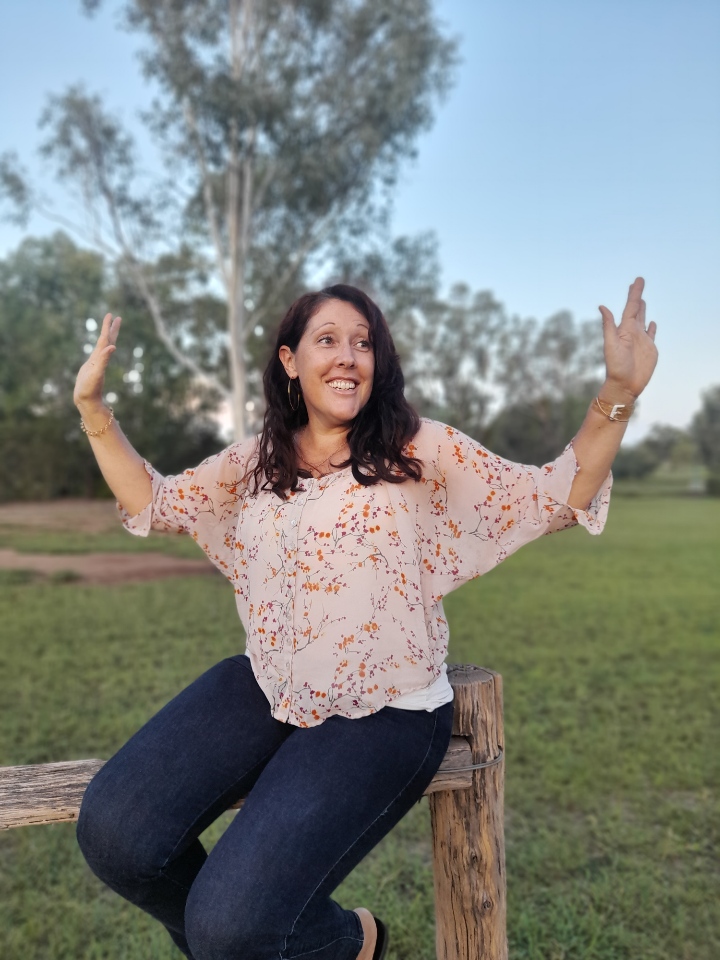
(340, 587)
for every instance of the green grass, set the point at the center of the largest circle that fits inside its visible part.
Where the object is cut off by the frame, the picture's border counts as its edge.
(61, 541)
(610, 653)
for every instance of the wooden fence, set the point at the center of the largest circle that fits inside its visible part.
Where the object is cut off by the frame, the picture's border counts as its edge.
(466, 810)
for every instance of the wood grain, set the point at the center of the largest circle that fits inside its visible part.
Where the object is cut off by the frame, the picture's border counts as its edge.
(467, 827)
(52, 792)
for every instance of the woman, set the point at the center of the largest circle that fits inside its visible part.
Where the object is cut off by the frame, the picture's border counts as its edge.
(341, 528)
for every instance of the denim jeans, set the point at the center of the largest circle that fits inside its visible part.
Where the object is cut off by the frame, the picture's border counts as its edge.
(318, 800)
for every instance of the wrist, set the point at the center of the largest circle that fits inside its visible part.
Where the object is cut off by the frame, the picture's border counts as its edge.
(612, 392)
(97, 420)
(87, 406)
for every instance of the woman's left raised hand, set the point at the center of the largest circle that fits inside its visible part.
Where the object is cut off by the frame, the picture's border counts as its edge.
(630, 351)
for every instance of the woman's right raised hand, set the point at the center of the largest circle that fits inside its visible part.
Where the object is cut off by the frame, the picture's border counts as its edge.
(91, 375)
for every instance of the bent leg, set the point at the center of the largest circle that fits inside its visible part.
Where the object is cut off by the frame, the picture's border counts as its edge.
(144, 810)
(327, 796)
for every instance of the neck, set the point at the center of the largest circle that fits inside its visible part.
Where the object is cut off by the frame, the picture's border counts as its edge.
(318, 449)
(320, 436)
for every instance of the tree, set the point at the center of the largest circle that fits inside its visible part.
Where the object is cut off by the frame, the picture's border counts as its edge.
(49, 288)
(664, 445)
(281, 126)
(706, 431)
(548, 373)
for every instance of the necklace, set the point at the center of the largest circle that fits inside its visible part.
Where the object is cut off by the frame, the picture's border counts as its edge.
(316, 466)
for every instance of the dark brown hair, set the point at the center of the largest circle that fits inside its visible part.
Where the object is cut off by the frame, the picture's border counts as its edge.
(378, 433)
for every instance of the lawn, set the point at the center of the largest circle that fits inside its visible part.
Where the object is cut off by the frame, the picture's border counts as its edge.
(610, 652)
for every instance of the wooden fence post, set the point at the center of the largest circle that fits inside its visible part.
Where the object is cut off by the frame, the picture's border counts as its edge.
(467, 827)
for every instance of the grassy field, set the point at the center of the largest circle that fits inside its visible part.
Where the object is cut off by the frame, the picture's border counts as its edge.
(610, 652)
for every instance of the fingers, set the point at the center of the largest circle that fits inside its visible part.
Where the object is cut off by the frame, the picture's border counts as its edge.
(109, 330)
(634, 299)
(652, 330)
(607, 319)
(115, 329)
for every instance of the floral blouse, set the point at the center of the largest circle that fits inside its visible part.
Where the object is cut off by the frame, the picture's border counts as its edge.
(340, 587)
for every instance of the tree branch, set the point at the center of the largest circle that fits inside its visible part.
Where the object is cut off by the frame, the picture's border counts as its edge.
(210, 211)
(293, 265)
(162, 331)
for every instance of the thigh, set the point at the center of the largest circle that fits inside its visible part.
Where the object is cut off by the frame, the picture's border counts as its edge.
(324, 799)
(199, 754)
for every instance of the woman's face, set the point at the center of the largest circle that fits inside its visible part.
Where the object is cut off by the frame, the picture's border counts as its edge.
(335, 363)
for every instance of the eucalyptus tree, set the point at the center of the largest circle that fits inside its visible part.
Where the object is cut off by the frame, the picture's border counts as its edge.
(280, 127)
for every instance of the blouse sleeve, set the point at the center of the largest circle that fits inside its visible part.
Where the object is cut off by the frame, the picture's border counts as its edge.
(481, 508)
(204, 502)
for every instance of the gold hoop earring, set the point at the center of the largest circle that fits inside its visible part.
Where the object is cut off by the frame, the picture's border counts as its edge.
(297, 402)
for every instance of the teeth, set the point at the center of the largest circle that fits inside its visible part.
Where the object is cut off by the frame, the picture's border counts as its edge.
(342, 384)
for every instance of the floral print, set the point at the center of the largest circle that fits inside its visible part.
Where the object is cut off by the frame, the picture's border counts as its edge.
(340, 587)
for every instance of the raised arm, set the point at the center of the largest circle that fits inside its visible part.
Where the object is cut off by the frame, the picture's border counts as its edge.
(630, 358)
(121, 465)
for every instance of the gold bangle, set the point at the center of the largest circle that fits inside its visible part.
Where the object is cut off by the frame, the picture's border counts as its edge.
(615, 409)
(97, 433)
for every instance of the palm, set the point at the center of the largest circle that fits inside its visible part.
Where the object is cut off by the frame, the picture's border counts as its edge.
(630, 351)
(91, 375)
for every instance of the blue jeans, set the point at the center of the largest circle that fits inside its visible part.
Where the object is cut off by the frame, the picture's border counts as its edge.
(318, 800)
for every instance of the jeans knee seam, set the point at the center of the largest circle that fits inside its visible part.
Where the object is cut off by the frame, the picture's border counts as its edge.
(358, 838)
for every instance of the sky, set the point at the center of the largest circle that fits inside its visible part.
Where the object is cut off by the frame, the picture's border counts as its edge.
(578, 148)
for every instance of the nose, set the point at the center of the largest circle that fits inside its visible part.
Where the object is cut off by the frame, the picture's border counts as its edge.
(345, 356)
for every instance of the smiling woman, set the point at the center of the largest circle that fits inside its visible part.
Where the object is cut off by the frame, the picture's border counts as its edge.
(341, 528)
(335, 395)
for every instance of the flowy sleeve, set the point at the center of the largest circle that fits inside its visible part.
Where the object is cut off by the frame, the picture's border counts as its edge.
(479, 508)
(203, 501)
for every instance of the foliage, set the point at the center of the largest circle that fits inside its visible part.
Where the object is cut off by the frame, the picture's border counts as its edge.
(48, 287)
(706, 430)
(549, 374)
(612, 771)
(664, 445)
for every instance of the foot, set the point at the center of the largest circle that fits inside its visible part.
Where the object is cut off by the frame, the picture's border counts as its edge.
(369, 933)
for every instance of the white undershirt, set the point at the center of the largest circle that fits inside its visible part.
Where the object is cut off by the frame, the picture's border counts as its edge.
(429, 698)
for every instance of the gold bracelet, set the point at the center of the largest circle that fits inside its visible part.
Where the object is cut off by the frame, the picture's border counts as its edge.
(97, 433)
(615, 409)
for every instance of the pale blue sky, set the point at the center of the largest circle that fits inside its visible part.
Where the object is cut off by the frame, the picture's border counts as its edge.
(579, 147)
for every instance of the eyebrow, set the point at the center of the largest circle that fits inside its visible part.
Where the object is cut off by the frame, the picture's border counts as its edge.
(363, 325)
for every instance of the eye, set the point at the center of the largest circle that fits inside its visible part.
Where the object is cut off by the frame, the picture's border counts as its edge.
(325, 336)
(365, 344)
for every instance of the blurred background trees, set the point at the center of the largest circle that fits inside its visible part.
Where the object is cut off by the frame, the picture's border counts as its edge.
(519, 386)
(705, 431)
(49, 288)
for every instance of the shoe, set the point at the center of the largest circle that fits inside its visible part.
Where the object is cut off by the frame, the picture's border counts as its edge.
(382, 939)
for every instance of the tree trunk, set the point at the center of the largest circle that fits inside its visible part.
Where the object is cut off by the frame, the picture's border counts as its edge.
(239, 213)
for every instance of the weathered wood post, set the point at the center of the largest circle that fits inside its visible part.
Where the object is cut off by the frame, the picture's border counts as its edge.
(467, 828)
(466, 809)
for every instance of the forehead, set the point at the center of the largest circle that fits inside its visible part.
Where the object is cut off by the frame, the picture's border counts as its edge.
(338, 314)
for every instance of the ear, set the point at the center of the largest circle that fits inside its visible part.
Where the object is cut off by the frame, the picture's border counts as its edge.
(287, 358)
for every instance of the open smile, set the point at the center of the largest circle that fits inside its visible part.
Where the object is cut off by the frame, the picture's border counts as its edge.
(342, 386)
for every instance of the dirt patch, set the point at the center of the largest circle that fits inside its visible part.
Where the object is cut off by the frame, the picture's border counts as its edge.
(85, 516)
(88, 516)
(106, 568)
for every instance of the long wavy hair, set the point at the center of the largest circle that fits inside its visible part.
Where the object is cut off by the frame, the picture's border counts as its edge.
(378, 433)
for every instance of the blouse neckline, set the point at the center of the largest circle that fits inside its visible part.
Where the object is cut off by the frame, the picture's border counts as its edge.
(326, 476)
